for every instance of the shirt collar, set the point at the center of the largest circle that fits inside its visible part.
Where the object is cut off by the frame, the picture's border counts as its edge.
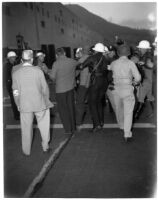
(123, 57)
(26, 64)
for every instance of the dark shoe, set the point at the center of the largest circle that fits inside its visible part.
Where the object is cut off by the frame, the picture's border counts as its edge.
(48, 150)
(17, 118)
(25, 155)
(101, 124)
(96, 129)
(128, 139)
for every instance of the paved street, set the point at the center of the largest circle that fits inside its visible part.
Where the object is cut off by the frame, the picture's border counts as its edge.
(92, 165)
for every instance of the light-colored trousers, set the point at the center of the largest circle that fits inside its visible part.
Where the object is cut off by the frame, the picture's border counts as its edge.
(124, 105)
(43, 122)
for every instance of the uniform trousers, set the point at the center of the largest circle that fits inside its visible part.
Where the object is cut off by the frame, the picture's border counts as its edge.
(96, 100)
(80, 103)
(66, 108)
(145, 90)
(124, 105)
(43, 122)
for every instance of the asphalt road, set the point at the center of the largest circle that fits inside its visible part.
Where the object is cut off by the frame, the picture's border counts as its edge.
(93, 165)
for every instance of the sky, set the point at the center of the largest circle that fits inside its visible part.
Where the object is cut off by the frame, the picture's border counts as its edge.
(132, 14)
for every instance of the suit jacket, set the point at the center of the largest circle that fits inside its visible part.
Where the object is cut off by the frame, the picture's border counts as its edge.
(30, 89)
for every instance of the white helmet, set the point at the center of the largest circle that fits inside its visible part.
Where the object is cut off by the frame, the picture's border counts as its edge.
(144, 44)
(79, 50)
(106, 49)
(11, 54)
(99, 47)
(155, 42)
(40, 54)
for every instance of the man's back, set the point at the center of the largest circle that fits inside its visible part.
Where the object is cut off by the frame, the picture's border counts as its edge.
(124, 70)
(63, 71)
(32, 87)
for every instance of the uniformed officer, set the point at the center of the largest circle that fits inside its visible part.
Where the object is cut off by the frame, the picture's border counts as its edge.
(31, 95)
(7, 70)
(40, 56)
(98, 85)
(112, 55)
(145, 90)
(124, 70)
(82, 89)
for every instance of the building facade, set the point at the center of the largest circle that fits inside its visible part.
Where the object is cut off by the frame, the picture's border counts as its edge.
(44, 26)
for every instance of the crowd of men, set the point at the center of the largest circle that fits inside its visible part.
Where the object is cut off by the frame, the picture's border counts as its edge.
(115, 73)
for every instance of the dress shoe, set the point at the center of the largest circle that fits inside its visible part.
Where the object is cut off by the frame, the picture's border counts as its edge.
(128, 139)
(48, 150)
(17, 118)
(96, 129)
(79, 128)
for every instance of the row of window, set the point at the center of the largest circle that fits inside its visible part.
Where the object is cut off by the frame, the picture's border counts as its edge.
(30, 5)
(57, 19)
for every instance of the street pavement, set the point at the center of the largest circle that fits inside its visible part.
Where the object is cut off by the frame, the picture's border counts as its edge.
(92, 165)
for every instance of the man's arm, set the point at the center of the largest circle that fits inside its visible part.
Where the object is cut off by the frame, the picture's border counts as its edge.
(52, 73)
(135, 73)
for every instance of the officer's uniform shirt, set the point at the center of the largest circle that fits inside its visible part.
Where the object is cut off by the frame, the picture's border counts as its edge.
(43, 67)
(84, 74)
(123, 72)
(94, 60)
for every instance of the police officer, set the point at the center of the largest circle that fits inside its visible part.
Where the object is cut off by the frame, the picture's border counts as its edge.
(112, 55)
(8, 67)
(145, 90)
(31, 95)
(124, 70)
(82, 90)
(40, 56)
(98, 85)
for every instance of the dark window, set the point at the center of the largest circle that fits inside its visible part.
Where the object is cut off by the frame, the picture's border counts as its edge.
(62, 30)
(48, 14)
(38, 9)
(74, 35)
(31, 6)
(61, 12)
(43, 11)
(43, 24)
(73, 20)
(6, 10)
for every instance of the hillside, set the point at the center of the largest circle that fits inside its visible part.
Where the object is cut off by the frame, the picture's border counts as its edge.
(110, 30)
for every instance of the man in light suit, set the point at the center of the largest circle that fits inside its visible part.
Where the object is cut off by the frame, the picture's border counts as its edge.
(31, 95)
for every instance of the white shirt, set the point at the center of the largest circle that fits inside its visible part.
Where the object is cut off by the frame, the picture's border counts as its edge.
(124, 70)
